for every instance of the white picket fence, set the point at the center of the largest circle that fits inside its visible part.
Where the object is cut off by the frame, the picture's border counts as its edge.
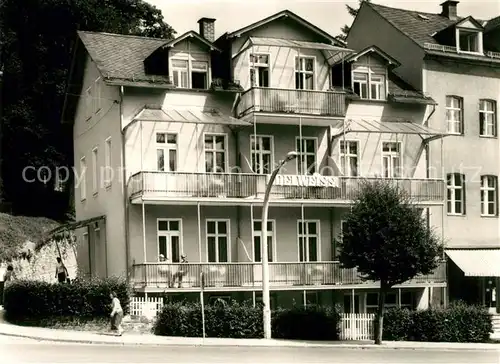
(357, 326)
(142, 307)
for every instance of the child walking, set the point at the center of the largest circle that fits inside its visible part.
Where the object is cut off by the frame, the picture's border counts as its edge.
(116, 314)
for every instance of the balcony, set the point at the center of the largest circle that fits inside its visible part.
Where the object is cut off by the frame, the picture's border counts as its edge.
(285, 101)
(453, 50)
(245, 188)
(241, 276)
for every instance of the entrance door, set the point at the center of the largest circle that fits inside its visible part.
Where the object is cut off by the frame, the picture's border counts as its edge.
(169, 241)
(490, 299)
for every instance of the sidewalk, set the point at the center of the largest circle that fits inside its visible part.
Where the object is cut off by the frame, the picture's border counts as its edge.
(82, 337)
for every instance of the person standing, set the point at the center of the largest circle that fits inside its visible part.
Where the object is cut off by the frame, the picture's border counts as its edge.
(116, 314)
(180, 273)
(61, 271)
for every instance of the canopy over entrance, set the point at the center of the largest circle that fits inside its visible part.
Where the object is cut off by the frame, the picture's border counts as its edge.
(476, 262)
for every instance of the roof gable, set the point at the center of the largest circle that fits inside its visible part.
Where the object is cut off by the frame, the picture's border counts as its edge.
(290, 15)
(374, 49)
(192, 35)
(469, 23)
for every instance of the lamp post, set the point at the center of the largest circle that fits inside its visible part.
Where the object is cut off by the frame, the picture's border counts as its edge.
(264, 248)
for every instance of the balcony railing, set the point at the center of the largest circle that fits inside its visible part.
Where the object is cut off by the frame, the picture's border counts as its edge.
(241, 275)
(274, 100)
(452, 49)
(252, 186)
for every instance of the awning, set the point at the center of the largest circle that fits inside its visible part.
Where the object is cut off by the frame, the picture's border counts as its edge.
(476, 262)
(332, 53)
(385, 127)
(189, 115)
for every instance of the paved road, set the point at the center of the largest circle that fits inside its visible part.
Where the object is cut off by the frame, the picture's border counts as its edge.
(13, 350)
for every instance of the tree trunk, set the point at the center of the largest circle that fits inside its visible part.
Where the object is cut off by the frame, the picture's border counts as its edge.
(380, 314)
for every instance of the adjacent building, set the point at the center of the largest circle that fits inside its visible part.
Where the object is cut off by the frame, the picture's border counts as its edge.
(456, 60)
(175, 141)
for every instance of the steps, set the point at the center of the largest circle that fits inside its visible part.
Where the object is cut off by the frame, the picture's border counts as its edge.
(495, 319)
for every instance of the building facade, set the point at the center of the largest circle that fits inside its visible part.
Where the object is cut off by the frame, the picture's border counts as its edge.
(175, 141)
(455, 60)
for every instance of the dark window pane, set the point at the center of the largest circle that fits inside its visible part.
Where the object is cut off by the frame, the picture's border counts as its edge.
(211, 249)
(372, 299)
(222, 227)
(257, 225)
(223, 254)
(209, 144)
(211, 227)
(301, 249)
(270, 248)
(172, 138)
(162, 245)
(176, 255)
(312, 228)
(174, 225)
(219, 142)
(162, 225)
(313, 249)
(160, 138)
(172, 160)
(257, 249)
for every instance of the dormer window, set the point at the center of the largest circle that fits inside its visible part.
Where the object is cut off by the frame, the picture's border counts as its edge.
(469, 40)
(190, 74)
(369, 85)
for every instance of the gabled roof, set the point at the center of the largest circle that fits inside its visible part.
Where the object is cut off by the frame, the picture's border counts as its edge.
(471, 19)
(416, 25)
(120, 58)
(191, 34)
(287, 14)
(375, 49)
(492, 24)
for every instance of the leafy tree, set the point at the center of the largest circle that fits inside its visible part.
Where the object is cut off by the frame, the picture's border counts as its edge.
(36, 42)
(353, 12)
(387, 239)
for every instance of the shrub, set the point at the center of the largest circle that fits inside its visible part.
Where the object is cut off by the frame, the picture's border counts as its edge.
(458, 323)
(35, 300)
(242, 320)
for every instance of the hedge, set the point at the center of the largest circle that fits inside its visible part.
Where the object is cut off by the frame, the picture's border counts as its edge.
(242, 320)
(33, 300)
(457, 323)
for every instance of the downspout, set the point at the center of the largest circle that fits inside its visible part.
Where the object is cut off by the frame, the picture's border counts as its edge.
(428, 163)
(125, 187)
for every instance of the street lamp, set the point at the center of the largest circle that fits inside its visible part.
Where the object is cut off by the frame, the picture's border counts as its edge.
(264, 248)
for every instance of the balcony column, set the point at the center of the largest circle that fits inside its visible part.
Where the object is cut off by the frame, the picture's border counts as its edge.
(304, 294)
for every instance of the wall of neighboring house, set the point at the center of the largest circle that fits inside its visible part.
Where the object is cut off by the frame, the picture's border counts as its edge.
(370, 144)
(282, 59)
(470, 154)
(97, 122)
(369, 28)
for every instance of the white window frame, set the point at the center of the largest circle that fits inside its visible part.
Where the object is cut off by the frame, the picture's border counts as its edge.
(214, 152)
(303, 72)
(189, 70)
(83, 175)
(216, 235)
(368, 75)
(260, 153)
(485, 190)
(453, 122)
(89, 103)
(479, 40)
(97, 98)
(301, 159)
(272, 234)
(387, 305)
(453, 188)
(166, 148)
(347, 156)
(95, 170)
(489, 127)
(167, 234)
(306, 235)
(253, 67)
(108, 162)
(198, 70)
(391, 156)
(180, 70)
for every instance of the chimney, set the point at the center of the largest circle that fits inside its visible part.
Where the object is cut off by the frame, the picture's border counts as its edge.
(207, 28)
(449, 9)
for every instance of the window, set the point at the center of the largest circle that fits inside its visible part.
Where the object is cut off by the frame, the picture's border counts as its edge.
(218, 241)
(261, 149)
(259, 70)
(312, 298)
(368, 85)
(180, 73)
(97, 97)
(469, 41)
(308, 234)
(489, 195)
(166, 147)
(95, 171)
(199, 75)
(391, 159)
(88, 103)
(487, 118)
(307, 150)
(82, 178)
(391, 301)
(271, 241)
(456, 194)
(349, 159)
(407, 300)
(109, 169)
(215, 153)
(348, 303)
(454, 114)
(169, 239)
(304, 73)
